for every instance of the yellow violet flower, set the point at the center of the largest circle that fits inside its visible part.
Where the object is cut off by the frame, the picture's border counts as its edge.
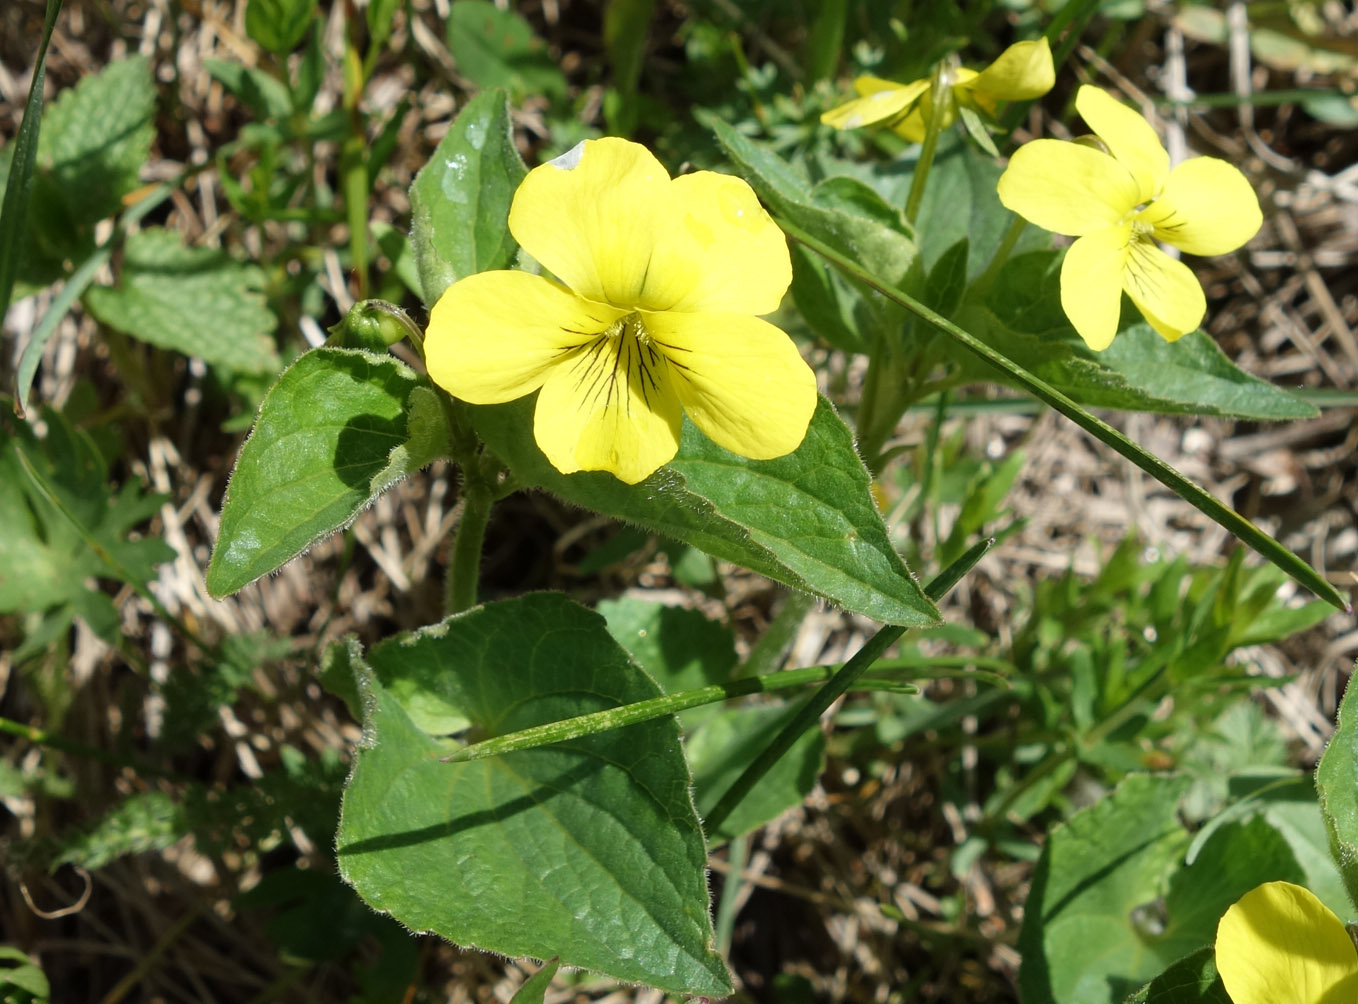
(1119, 200)
(653, 316)
(1279, 944)
(1022, 71)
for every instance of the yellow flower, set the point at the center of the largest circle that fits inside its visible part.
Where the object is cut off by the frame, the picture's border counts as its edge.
(1119, 200)
(1022, 71)
(1279, 944)
(653, 316)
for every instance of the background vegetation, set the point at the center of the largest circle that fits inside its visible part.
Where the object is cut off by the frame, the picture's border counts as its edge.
(216, 184)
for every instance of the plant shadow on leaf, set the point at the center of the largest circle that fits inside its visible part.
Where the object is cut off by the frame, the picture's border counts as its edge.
(364, 445)
(564, 781)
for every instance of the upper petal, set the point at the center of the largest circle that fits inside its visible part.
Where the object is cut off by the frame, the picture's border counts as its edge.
(493, 336)
(721, 250)
(882, 99)
(1022, 71)
(740, 379)
(1091, 284)
(1165, 290)
(611, 407)
(1207, 208)
(1068, 188)
(1278, 944)
(589, 217)
(1129, 138)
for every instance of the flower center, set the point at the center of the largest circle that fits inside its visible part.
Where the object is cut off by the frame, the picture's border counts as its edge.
(618, 364)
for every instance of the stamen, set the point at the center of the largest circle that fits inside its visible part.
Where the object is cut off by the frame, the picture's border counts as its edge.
(621, 360)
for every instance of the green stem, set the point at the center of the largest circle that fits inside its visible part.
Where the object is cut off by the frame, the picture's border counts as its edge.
(41, 737)
(939, 94)
(659, 707)
(809, 714)
(464, 568)
(1191, 493)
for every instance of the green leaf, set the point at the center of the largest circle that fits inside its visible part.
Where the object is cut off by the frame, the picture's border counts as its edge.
(959, 202)
(96, 137)
(1080, 921)
(1095, 926)
(1021, 317)
(589, 850)
(64, 525)
(858, 232)
(381, 15)
(1235, 859)
(726, 743)
(806, 520)
(262, 93)
(339, 427)
(825, 40)
(21, 980)
(1337, 783)
(17, 167)
(625, 26)
(198, 301)
(534, 989)
(497, 48)
(460, 200)
(684, 650)
(1191, 980)
(681, 649)
(278, 25)
(150, 821)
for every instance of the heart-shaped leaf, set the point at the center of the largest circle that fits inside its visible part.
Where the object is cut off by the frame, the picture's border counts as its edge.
(589, 850)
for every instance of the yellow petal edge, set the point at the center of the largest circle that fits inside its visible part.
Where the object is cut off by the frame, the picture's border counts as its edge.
(1279, 944)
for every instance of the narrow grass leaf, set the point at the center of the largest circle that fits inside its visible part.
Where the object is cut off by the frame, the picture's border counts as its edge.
(18, 185)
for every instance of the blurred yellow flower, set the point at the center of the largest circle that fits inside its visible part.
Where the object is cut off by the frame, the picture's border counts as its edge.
(653, 316)
(1022, 71)
(1119, 197)
(1279, 944)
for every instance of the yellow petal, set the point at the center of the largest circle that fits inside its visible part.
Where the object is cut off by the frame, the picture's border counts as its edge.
(1165, 291)
(1280, 945)
(739, 378)
(1067, 188)
(1091, 284)
(721, 250)
(882, 100)
(493, 336)
(1129, 138)
(1207, 208)
(1022, 71)
(589, 217)
(610, 406)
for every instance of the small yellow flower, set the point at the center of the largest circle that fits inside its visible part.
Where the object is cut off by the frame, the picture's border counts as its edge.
(1119, 200)
(653, 316)
(1279, 944)
(1022, 71)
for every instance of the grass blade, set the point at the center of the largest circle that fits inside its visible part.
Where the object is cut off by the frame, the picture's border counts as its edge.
(14, 210)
